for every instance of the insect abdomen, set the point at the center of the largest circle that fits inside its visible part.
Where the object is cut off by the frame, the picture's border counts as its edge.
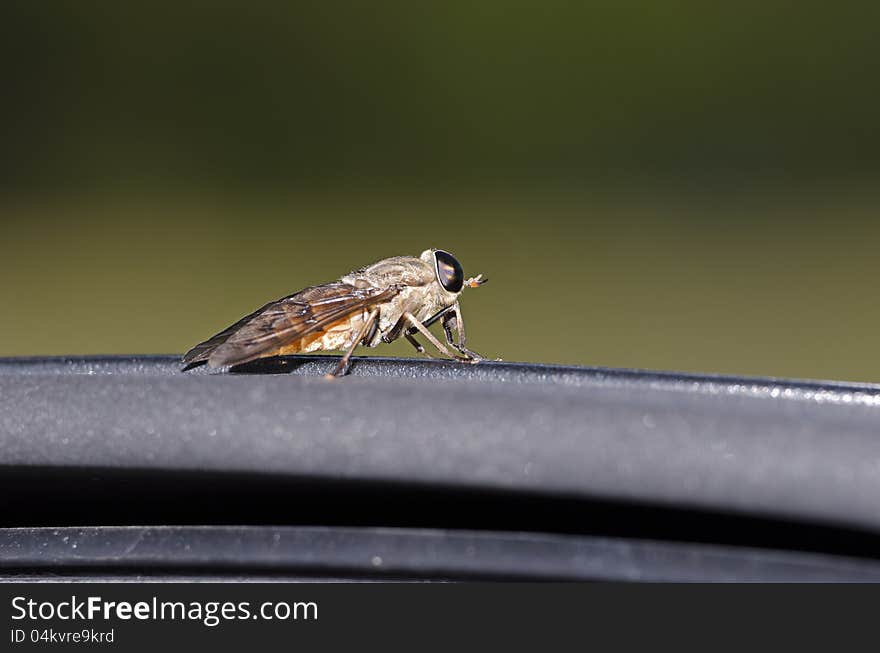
(337, 336)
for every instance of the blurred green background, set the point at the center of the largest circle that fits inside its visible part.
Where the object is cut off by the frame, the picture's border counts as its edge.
(679, 185)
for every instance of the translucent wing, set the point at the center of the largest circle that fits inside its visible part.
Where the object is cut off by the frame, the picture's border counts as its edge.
(309, 312)
(200, 353)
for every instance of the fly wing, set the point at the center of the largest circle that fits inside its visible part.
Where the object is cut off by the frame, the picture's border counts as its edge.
(287, 320)
(201, 352)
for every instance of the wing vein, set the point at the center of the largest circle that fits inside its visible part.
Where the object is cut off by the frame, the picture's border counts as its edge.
(283, 322)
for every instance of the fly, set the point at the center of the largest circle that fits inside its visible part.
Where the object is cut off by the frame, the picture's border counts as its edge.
(397, 296)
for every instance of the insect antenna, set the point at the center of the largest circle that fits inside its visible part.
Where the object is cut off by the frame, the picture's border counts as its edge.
(475, 282)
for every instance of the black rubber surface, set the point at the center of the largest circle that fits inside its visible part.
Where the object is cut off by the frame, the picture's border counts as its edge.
(803, 451)
(344, 553)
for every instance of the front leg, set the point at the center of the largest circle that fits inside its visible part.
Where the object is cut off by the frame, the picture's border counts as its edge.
(402, 326)
(420, 348)
(418, 326)
(454, 317)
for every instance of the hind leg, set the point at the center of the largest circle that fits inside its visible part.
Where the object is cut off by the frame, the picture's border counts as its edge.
(342, 366)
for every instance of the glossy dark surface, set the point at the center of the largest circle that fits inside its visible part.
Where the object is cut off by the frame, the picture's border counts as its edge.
(284, 553)
(770, 448)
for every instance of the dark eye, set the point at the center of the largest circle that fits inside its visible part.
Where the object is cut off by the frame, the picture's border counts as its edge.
(449, 272)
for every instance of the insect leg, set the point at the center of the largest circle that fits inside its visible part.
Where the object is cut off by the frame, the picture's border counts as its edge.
(435, 317)
(455, 315)
(401, 324)
(402, 327)
(342, 366)
(395, 332)
(448, 314)
(430, 336)
(419, 348)
(371, 334)
(447, 328)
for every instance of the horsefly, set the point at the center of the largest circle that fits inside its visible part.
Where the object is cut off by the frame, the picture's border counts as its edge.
(397, 296)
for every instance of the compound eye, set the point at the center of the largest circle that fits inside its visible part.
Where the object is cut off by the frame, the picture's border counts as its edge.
(449, 272)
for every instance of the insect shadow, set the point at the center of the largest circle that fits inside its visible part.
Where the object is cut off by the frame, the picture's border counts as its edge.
(275, 364)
